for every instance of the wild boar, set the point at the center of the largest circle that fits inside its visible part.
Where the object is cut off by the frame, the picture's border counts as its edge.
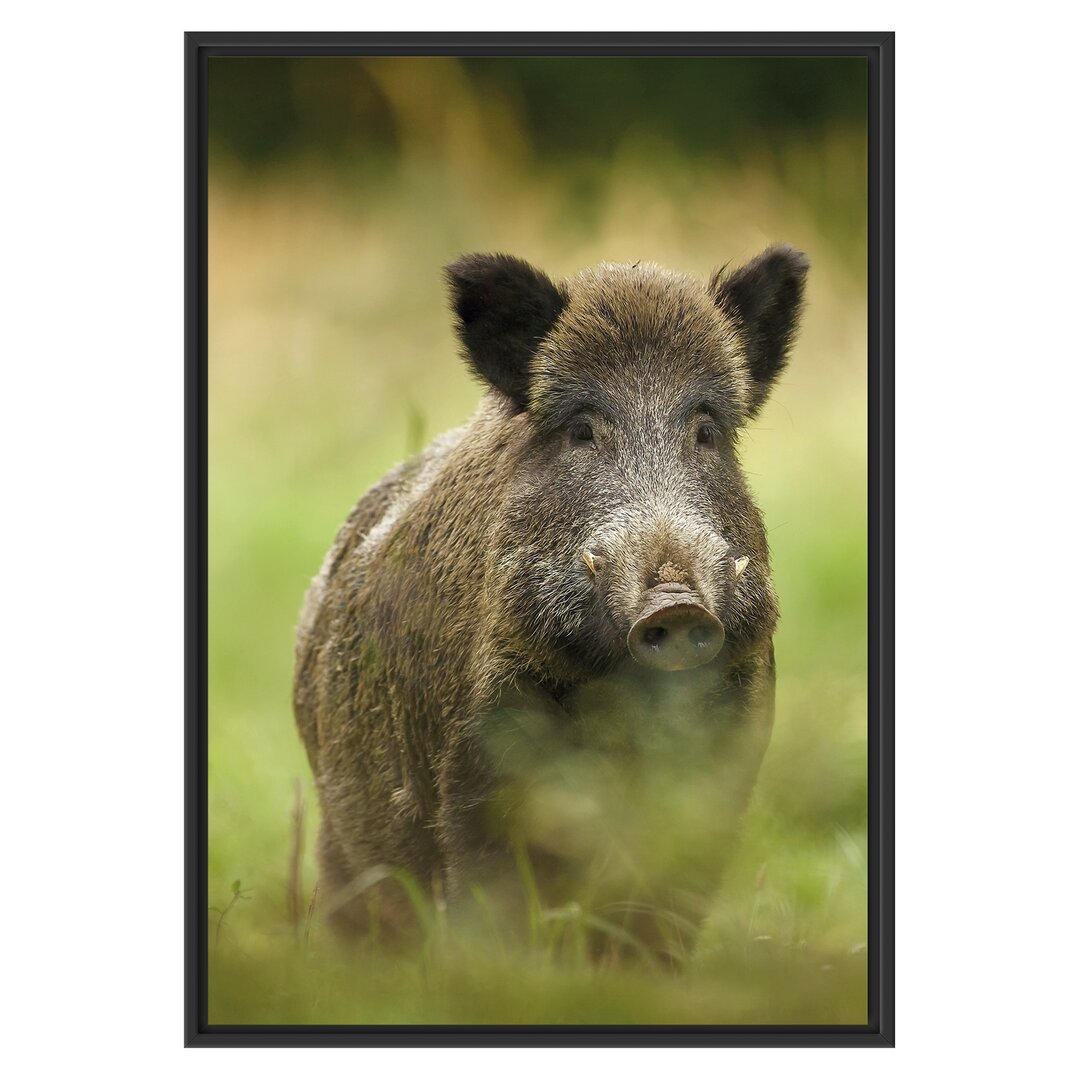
(550, 633)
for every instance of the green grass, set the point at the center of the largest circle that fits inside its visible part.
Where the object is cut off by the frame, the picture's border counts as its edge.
(332, 358)
(785, 943)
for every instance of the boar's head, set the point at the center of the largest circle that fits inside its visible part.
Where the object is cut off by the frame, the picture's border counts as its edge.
(627, 530)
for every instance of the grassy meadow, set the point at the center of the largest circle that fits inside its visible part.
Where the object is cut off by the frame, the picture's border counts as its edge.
(331, 358)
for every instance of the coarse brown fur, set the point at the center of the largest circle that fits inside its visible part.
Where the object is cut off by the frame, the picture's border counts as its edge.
(462, 674)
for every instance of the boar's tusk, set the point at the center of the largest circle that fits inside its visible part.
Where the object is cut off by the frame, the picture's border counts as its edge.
(587, 558)
(741, 564)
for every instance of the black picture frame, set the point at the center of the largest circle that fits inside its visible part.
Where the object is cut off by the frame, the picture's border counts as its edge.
(878, 49)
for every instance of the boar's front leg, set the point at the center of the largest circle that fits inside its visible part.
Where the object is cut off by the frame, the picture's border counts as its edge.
(488, 772)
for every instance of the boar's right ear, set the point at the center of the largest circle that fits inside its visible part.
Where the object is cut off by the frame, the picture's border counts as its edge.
(504, 307)
(765, 297)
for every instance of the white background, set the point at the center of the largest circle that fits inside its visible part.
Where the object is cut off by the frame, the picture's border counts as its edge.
(92, 538)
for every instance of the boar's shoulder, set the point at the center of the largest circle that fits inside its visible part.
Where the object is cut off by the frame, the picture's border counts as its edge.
(371, 521)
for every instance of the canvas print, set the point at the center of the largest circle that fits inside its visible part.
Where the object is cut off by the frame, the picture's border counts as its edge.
(537, 540)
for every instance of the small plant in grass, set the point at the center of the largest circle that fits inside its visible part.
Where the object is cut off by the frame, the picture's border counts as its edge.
(238, 894)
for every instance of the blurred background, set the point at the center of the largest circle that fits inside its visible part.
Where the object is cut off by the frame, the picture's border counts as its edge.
(338, 188)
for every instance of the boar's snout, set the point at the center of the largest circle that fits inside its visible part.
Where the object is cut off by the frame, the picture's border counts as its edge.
(674, 632)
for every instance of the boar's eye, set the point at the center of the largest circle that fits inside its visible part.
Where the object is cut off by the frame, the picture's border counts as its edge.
(706, 435)
(581, 433)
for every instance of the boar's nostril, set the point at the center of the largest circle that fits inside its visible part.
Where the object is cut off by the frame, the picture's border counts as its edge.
(676, 636)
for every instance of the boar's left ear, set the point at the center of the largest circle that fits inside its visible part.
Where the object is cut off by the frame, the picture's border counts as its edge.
(765, 298)
(504, 307)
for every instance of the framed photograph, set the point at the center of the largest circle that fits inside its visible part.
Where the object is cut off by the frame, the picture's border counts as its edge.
(539, 539)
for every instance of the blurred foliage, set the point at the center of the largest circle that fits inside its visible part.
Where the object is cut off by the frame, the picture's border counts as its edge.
(338, 188)
(265, 110)
(356, 119)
